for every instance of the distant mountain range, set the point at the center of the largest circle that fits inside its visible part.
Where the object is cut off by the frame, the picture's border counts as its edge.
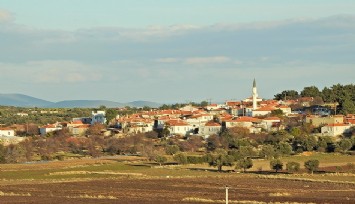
(21, 100)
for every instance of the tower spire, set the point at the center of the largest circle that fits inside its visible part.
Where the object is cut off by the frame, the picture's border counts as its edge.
(255, 96)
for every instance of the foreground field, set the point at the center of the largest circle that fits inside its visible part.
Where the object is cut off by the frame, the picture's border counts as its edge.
(117, 181)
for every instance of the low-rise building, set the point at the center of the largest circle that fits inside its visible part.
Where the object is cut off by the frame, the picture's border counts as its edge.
(98, 117)
(50, 128)
(210, 128)
(317, 120)
(335, 129)
(7, 132)
(179, 127)
(271, 123)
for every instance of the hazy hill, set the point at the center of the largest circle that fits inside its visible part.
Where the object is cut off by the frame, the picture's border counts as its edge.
(85, 104)
(143, 103)
(21, 100)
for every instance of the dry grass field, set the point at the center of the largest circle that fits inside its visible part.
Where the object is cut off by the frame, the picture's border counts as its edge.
(129, 180)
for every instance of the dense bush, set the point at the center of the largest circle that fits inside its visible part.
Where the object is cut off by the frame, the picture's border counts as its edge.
(293, 167)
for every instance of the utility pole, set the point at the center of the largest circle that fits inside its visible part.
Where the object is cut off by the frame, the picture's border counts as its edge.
(227, 194)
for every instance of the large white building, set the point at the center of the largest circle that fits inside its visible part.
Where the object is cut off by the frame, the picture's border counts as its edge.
(98, 117)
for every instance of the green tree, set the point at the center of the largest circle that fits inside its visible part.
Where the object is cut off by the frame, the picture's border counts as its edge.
(276, 164)
(171, 149)
(293, 166)
(160, 159)
(311, 165)
(310, 143)
(166, 131)
(322, 145)
(348, 106)
(245, 163)
(277, 113)
(284, 148)
(287, 94)
(246, 151)
(219, 159)
(180, 158)
(345, 144)
(204, 103)
(213, 142)
(267, 151)
(110, 115)
(311, 91)
(2, 153)
(328, 95)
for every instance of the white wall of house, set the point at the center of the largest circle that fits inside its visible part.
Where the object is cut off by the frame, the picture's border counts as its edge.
(7, 132)
(260, 113)
(267, 124)
(335, 130)
(45, 130)
(98, 117)
(181, 130)
(286, 111)
(210, 130)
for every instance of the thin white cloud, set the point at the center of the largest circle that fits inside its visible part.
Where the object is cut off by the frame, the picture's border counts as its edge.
(50, 71)
(168, 60)
(206, 60)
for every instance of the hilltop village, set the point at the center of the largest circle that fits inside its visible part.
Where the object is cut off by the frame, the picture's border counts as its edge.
(298, 124)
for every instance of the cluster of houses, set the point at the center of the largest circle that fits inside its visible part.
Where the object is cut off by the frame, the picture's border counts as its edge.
(253, 114)
(78, 126)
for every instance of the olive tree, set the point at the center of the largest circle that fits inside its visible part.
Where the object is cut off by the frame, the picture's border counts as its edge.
(276, 164)
(219, 159)
(293, 166)
(245, 163)
(311, 165)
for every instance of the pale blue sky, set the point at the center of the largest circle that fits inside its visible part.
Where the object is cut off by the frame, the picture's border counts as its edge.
(173, 51)
(73, 14)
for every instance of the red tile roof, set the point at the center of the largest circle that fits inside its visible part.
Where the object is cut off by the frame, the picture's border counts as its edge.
(247, 119)
(212, 123)
(337, 125)
(272, 118)
(266, 108)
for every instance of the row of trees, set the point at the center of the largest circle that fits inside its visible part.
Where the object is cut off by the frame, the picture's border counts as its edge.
(342, 94)
(220, 158)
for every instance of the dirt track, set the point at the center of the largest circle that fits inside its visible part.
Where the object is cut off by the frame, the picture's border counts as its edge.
(178, 190)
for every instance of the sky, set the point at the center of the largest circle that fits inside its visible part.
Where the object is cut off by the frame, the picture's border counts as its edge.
(170, 51)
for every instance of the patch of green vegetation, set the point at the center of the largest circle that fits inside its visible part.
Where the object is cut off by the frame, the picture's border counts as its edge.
(325, 159)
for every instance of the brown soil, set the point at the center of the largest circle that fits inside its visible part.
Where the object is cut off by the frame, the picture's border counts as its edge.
(174, 190)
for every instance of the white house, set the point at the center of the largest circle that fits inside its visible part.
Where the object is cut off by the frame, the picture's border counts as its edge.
(189, 108)
(7, 132)
(271, 122)
(199, 119)
(98, 117)
(335, 129)
(179, 127)
(262, 111)
(210, 128)
(50, 128)
(285, 109)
